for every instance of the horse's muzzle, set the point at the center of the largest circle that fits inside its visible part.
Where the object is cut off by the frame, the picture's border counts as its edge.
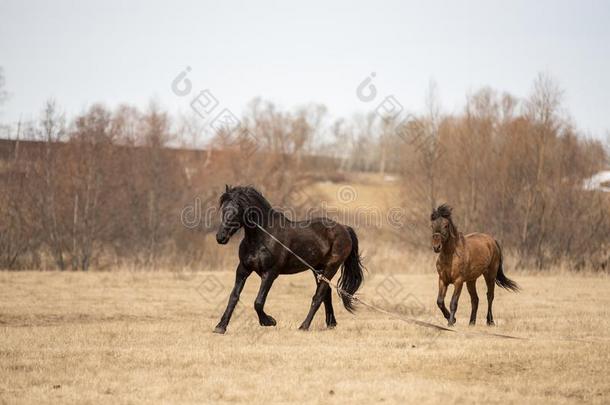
(222, 239)
(437, 242)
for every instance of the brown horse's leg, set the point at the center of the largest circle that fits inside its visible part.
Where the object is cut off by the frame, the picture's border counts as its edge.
(440, 300)
(454, 300)
(474, 300)
(259, 304)
(240, 280)
(491, 285)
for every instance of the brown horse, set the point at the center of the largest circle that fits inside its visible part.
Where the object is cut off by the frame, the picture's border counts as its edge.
(463, 259)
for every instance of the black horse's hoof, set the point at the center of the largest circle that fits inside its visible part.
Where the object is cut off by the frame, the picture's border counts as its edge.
(268, 322)
(220, 329)
(451, 323)
(472, 323)
(492, 323)
(332, 325)
(304, 328)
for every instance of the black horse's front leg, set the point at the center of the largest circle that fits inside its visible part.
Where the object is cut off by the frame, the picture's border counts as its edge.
(259, 304)
(240, 280)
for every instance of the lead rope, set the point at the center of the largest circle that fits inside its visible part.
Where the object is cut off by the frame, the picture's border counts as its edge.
(394, 315)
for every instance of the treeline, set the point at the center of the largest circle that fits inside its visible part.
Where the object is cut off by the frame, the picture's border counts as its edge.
(111, 187)
(513, 168)
(128, 187)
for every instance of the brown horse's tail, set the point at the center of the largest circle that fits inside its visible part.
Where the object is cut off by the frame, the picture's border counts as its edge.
(351, 273)
(501, 279)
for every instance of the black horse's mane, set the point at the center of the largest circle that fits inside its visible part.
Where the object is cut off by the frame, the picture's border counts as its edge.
(245, 196)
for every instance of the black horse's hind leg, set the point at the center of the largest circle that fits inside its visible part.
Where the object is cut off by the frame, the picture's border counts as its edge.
(331, 322)
(316, 300)
(320, 295)
(259, 304)
(240, 280)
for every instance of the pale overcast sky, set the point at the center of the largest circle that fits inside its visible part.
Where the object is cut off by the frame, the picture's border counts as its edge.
(294, 53)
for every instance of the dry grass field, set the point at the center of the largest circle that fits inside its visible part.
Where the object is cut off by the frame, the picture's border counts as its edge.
(126, 337)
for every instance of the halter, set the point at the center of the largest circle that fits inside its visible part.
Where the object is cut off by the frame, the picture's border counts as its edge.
(440, 235)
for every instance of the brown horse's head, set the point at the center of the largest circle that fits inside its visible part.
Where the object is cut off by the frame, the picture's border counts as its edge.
(442, 226)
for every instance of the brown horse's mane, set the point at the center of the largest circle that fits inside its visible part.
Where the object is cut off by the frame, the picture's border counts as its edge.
(444, 211)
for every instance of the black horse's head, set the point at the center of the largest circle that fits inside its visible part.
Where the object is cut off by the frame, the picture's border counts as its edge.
(240, 206)
(442, 226)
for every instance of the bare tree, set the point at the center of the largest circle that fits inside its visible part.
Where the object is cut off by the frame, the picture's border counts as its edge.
(423, 147)
(542, 108)
(18, 222)
(49, 191)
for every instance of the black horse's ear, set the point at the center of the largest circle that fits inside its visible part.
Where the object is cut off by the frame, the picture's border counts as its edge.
(227, 188)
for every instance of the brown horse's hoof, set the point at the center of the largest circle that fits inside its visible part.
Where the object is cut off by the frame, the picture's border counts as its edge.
(220, 329)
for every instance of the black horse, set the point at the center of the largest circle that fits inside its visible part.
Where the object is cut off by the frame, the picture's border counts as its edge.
(269, 248)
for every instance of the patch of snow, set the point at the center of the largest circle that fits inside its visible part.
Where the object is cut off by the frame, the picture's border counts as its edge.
(597, 181)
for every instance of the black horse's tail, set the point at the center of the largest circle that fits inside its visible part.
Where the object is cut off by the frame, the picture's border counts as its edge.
(501, 279)
(351, 273)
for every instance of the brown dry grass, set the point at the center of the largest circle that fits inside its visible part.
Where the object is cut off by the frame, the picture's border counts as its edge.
(127, 337)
